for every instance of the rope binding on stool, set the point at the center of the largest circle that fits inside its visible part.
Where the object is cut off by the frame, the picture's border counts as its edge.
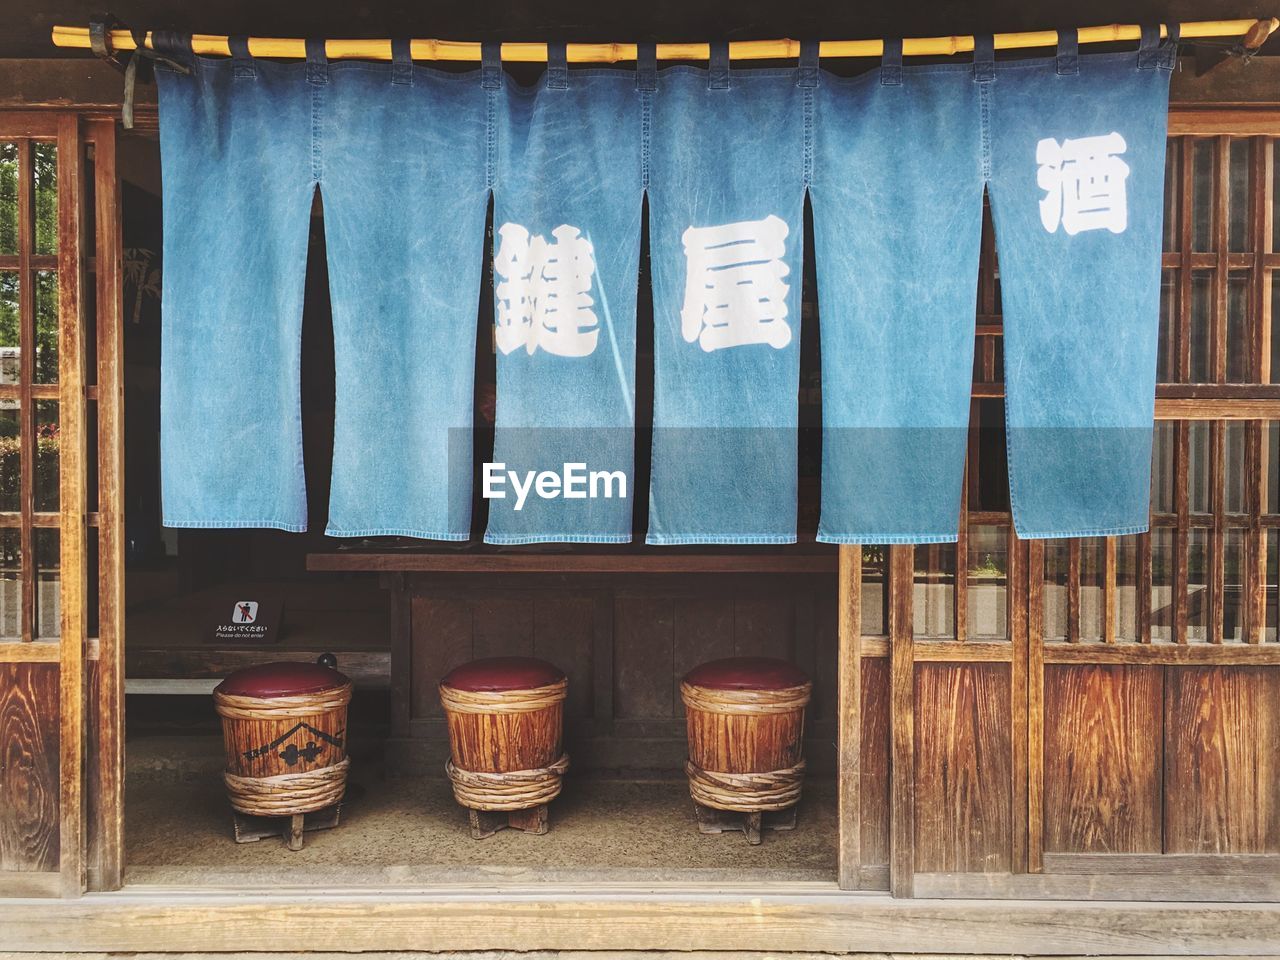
(745, 792)
(235, 706)
(504, 701)
(744, 702)
(510, 790)
(288, 793)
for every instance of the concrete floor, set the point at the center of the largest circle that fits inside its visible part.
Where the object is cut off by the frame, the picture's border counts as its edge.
(410, 831)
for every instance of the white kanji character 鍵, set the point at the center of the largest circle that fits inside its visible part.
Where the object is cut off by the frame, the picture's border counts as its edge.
(735, 292)
(1084, 180)
(543, 296)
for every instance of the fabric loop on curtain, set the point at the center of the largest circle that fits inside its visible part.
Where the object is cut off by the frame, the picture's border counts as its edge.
(1169, 52)
(1068, 53)
(491, 65)
(241, 58)
(317, 62)
(807, 68)
(984, 58)
(646, 66)
(401, 62)
(891, 63)
(718, 66)
(176, 46)
(1149, 46)
(557, 66)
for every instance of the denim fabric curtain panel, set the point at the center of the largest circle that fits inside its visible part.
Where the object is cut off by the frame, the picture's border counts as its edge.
(567, 206)
(401, 156)
(1070, 150)
(727, 168)
(897, 220)
(1077, 151)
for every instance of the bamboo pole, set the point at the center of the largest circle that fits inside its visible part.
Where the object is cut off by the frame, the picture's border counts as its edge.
(1252, 33)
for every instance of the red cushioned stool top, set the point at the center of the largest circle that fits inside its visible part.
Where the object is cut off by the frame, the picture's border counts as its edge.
(269, 680)
(503, 673)
(747, 673)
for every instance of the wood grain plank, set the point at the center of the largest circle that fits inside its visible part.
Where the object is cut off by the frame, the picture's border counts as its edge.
(1035, 706)
(1102, 759)
(849, 717)
(1222, 766)
(1143, 600)
(902, 720)
(874, 774)
(963, 774)
(1164, 653)
(1181, 536)
(29, 816)
(1221, 207)
(26, 373)
(1217, 537)
(1073, 591)
(109, 707)
(559, 563)
(778, 918)
(72, 533)
(1018, 696)
(1052, 885)
(1109, 590)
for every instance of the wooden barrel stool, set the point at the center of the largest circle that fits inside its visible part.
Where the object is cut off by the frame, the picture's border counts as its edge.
(745, 718)
(284, 726)
(506, 723)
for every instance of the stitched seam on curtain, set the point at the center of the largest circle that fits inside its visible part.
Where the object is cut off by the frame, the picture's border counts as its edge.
(397, 532)
(875, 538)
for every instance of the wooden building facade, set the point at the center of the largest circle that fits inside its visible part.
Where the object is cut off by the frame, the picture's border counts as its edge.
(1066, 747)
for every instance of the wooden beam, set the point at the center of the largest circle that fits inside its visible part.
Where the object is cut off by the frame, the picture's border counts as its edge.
(550, 918)
(849, 717)
(71, 490)
(1017, 596)
(901, 575)
(584, 563)
(1035, 706)
(17, 651)
(1244, 654)
(109, 710)
(26, 366)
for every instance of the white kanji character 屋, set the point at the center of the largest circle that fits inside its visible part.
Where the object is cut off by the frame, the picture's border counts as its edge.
(735, 292)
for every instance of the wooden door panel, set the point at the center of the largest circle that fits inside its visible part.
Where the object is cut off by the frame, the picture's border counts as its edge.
(61, 583)
(874, 776)
(1222, 760)
(29, 813)
(963, 774)
(1102, 759)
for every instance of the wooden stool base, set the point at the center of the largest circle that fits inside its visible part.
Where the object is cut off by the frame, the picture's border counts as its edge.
(250, 828)
(485, 823)
(711, 820)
